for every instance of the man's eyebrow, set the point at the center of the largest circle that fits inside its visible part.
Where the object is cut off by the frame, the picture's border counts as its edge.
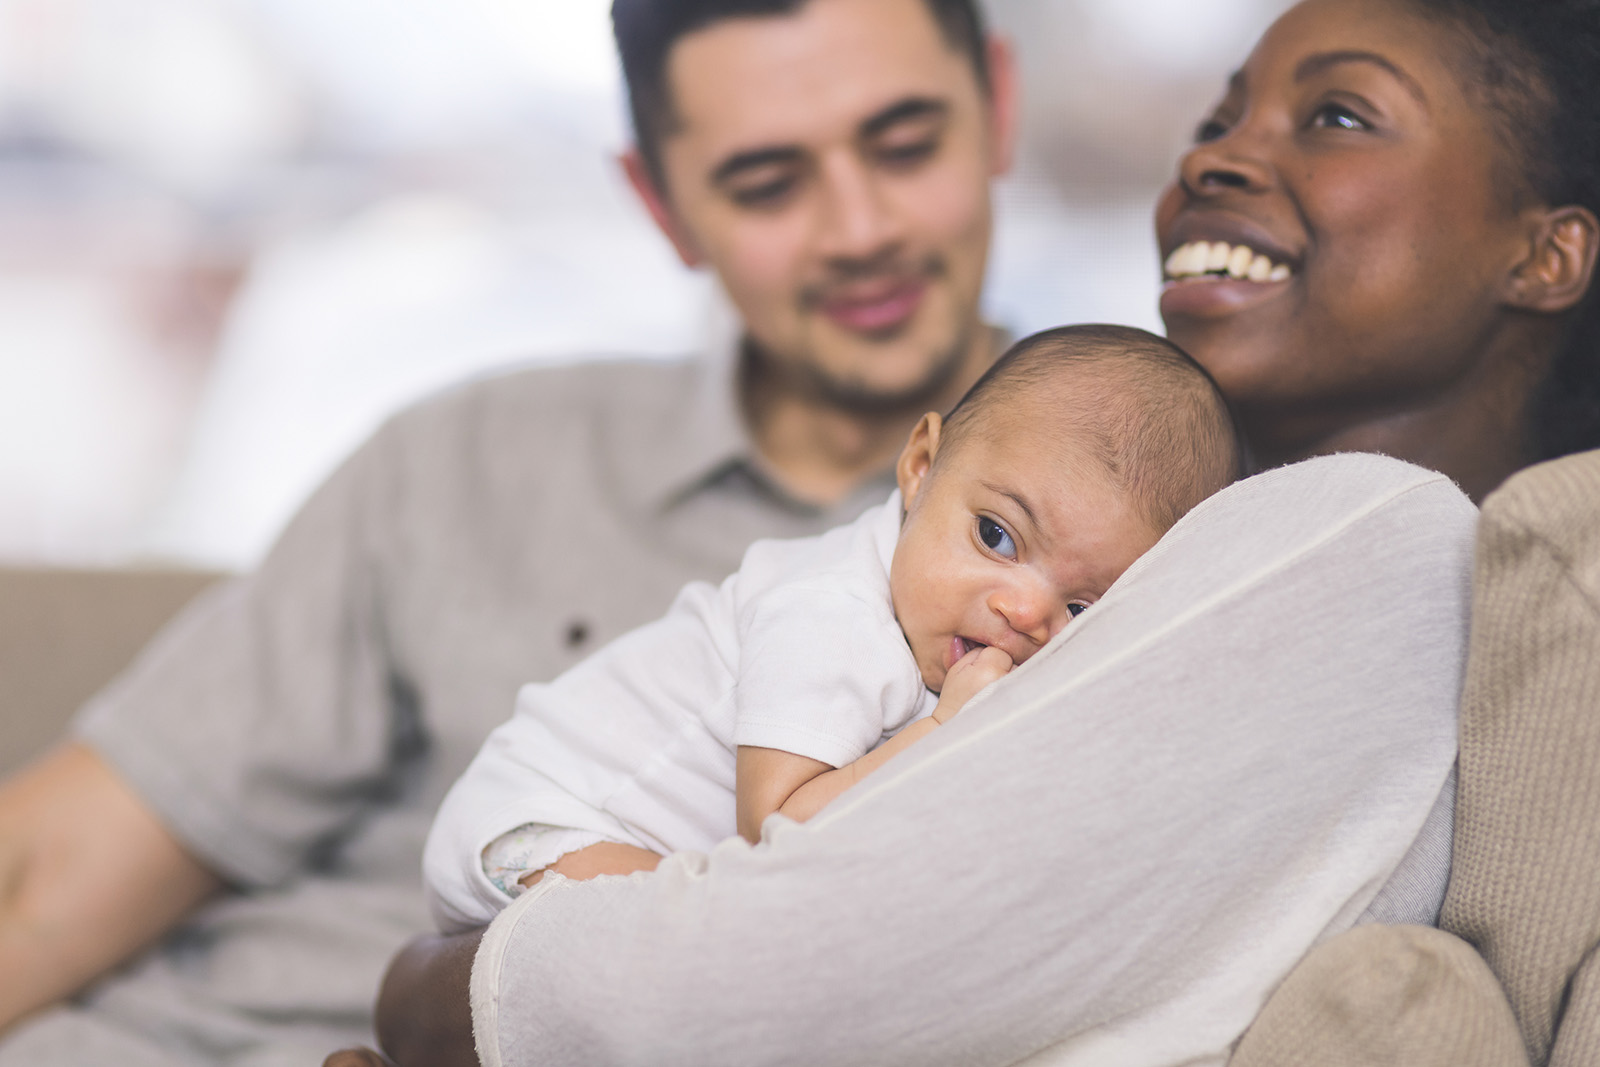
(913, 107)
(1033, 520)
(755, 157)
(1320, 62)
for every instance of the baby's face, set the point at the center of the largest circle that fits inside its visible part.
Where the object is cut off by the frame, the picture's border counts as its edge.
(1004, 541)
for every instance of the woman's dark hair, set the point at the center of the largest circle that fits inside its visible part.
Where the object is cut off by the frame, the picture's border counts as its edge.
(647, 30)
(1535, 64)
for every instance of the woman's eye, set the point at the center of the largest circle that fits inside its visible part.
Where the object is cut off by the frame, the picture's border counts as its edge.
(995, 538)
(1338, 117)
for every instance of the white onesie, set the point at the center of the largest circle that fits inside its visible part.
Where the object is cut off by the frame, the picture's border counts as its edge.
(798, 650)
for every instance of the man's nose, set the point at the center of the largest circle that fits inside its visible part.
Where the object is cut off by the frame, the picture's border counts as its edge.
(857, 222)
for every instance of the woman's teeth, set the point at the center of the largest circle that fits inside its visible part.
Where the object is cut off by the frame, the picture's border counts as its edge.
(1199, 259)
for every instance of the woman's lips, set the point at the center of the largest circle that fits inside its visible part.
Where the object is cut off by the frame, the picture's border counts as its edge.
(1212, 296)
(877, 310)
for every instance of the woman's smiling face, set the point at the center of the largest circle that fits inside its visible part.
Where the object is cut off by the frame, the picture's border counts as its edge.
(1381, 217)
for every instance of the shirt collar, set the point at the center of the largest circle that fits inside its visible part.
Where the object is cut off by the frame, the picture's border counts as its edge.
(707, 438)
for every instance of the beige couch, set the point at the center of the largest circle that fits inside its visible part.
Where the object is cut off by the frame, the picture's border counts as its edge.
(1512, 979)
(64, 634)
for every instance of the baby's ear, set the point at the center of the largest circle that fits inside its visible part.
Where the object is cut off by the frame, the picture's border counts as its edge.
(916, 459)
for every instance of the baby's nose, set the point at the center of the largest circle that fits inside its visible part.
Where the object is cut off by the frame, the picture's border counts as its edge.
(1027, 610)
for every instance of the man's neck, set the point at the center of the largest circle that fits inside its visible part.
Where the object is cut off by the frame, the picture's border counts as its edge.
(820, 450)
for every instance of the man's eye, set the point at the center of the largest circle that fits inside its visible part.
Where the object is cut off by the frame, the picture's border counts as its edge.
(995, 538)
(908, 153)
(1338, 117)
(763, 194)
(1209, 130)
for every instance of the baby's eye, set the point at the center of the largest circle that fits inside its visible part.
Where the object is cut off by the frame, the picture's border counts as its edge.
(995, 538)
(1076, 608)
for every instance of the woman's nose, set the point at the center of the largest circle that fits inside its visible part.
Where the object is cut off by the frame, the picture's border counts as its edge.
(1235, 160)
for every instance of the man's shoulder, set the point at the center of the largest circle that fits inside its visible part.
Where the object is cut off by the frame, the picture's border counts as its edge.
(522, 406)
(567, 389)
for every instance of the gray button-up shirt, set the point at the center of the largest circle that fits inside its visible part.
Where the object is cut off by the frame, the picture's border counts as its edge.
(297, 728)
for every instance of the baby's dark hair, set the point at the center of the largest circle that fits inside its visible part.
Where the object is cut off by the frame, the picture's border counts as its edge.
(1535, 67)
(1143, 410)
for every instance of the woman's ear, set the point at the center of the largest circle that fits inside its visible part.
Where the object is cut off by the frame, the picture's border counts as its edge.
(1559, 268)
(916, 459)
(660, 208)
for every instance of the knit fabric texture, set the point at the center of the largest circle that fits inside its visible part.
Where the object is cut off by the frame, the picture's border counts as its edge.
(1525, 889)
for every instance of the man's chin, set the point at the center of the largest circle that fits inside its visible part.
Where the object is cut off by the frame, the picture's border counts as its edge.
(869, 395)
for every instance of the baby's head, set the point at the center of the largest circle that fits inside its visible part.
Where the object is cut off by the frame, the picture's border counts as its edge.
(1068, 460)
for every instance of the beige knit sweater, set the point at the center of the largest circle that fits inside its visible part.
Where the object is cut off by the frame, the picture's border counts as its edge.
(1512, 978)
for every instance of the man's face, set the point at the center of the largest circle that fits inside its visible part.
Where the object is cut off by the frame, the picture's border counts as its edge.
(833, 167)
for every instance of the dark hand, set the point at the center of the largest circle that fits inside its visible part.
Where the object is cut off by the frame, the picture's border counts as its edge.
(357, 1057)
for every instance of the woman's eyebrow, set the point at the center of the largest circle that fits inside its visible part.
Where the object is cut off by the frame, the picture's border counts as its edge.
(1313, 65)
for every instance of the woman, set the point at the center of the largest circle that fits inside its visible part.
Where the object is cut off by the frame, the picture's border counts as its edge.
(1384, 239)
(1428, 172)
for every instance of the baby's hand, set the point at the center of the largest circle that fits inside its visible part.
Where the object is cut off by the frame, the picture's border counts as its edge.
(967, 675)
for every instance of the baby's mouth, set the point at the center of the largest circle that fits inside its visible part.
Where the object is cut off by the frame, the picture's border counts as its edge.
(960, 646)
(1199, 261)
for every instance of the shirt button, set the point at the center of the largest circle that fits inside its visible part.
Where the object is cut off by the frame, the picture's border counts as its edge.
(577, 633)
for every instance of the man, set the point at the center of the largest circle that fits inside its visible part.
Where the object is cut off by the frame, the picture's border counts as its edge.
(252, 796)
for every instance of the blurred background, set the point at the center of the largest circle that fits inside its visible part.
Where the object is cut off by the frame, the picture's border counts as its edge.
(235, 234)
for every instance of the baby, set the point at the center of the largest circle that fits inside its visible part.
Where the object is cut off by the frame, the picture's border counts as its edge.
(822, 658)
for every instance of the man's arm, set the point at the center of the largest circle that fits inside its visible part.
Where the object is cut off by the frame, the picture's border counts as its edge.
(70, 828)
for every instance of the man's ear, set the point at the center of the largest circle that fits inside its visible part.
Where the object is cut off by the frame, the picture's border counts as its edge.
(1560, 264)
(660, 208)
(916, 459)
(1004, 104)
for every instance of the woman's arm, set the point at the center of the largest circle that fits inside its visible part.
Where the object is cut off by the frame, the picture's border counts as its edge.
(424, 1016)
(1116, 856)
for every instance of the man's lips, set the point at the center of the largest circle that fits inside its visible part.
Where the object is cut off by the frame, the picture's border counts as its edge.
(877, 308)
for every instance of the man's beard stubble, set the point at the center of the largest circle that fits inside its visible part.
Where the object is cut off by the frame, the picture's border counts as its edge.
(854, 394)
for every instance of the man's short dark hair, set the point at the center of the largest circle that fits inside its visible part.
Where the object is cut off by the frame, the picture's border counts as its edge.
(647, 30)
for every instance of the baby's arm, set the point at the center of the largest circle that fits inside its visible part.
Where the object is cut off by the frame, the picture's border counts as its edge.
(765, 779)
(967, 676)
(605, 857)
